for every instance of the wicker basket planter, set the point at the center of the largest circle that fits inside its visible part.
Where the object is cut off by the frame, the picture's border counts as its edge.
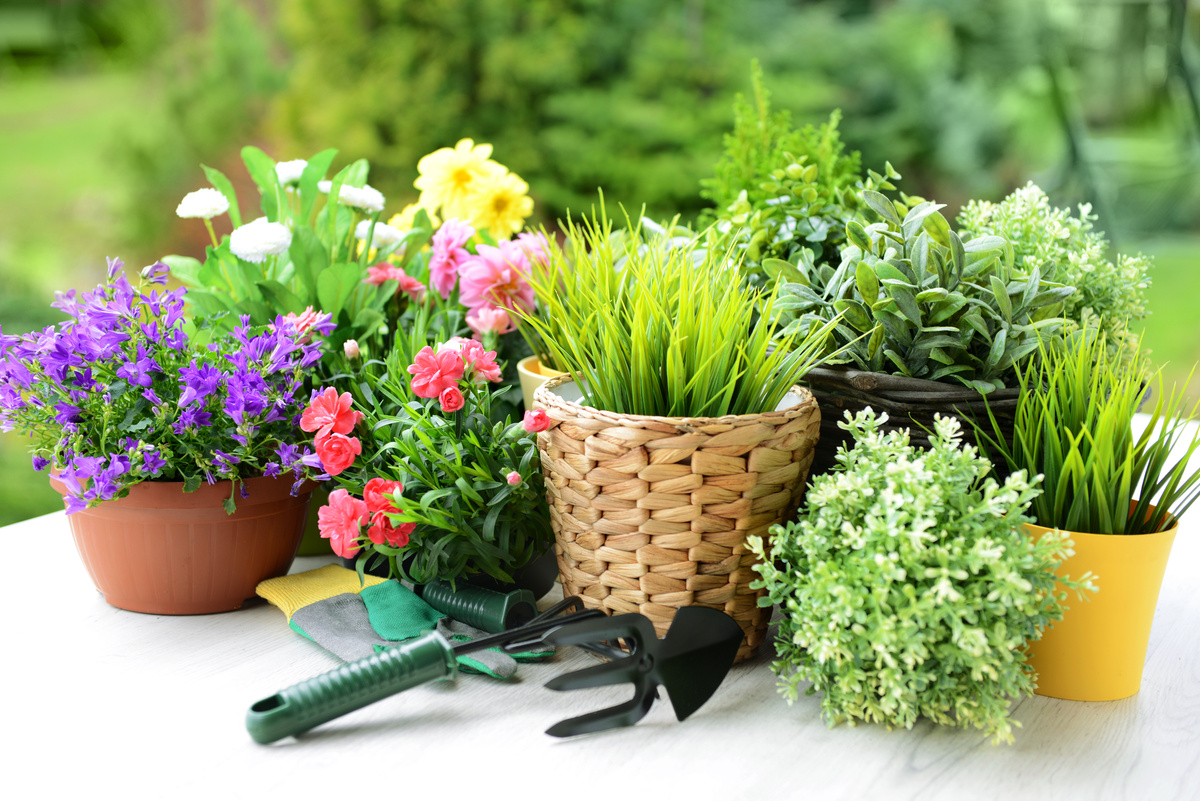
(650, 514)
(909, 402)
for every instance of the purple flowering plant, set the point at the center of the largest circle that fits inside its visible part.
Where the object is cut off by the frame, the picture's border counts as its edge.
(128, 390)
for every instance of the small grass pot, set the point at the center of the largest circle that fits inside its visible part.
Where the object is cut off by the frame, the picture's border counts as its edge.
(162, 551)
(651, 514)
(533, 374)
(1098, 650)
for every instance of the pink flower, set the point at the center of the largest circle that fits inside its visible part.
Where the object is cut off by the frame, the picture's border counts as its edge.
(535, 247)
(480, 365)
(449, 254)
(496, 277)
(330, 413)
(413, 288)
(435, 372)
(382, 273)
(351, 349)
(341, 520)
(382, 531)
(337, 452)
(456, 345)
(535, 421)
(451, 399)
(378, 494)
(487, 318)
(513, 478)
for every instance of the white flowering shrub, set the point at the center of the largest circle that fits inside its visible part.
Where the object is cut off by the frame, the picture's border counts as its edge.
(908, 586)
(1109, 294)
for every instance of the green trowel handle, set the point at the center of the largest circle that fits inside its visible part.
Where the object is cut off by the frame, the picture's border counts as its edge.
(351, 686)
(482, 608)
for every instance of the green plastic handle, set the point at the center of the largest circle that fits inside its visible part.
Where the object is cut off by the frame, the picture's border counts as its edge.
(351, 686)
(482, 608)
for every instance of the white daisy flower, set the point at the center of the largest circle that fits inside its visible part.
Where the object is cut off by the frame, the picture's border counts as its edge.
(365, 198)
(325, 186)
(204, 203)
(289, 172)
(256, 240)
(385, 234)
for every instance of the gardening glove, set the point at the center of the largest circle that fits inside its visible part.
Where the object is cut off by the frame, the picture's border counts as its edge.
(329, 607)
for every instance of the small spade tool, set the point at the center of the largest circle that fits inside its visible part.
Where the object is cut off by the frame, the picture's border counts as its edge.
(690, 662)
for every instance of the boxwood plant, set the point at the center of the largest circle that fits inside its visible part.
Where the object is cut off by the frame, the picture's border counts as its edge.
(908, 587)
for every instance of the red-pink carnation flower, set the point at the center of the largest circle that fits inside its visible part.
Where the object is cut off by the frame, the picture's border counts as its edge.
(536, 247)
(434, 372)
(330, 413)
(451, 399)
(496, 277)
(337, 452)
(536, 420)
(378, 494)
(488, 318)
(382, 272)
(413, 288)
(341, 520)
(513, 478)
(449, 254)
(383, 531)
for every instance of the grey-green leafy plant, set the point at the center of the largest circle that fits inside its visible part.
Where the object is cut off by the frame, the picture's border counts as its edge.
(908, 586)
(654, 326)
(1073, 424)
(1110, 294)
(782, 191)
(917, 300)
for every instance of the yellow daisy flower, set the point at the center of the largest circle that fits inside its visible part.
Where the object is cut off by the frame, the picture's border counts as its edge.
(448, 175)
(405, 217)
(500, 204)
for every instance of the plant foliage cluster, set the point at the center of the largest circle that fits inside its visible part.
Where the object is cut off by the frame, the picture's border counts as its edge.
(908, 586)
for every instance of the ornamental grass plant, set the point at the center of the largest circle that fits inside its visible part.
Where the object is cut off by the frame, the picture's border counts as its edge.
(908, 587)
(659, 326)
(1074, 426)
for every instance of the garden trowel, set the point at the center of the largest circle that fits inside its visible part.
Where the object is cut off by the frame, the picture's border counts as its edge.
(690, 662)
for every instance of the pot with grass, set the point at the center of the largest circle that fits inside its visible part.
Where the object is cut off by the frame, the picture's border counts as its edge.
(679, 431)
(1118, 495)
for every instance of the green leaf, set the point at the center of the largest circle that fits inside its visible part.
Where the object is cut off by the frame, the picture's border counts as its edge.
(335, 286)
(868, 283)
(785, 270)
(906, 301)
(185, 268)
(938, 229)
(1000, 293)
(225, 187)
(855, 313)
(282, 298)
(314, 173)
(858, 236)
(879, 203)
(262, 169)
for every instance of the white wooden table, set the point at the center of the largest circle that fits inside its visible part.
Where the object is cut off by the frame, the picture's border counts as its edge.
(100, 701)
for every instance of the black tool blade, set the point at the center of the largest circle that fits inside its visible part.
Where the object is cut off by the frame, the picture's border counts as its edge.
(695, 656)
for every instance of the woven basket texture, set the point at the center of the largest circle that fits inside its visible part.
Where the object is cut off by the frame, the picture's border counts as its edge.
(651, 514)
(909, 402)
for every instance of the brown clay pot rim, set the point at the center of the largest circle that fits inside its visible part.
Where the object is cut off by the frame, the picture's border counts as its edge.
(156, 494)
(683, 422)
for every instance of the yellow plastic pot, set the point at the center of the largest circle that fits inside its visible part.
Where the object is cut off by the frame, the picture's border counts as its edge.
(1097, 651)
(533, 375)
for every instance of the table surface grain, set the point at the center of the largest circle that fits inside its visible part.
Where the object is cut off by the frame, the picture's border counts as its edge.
(103, 701)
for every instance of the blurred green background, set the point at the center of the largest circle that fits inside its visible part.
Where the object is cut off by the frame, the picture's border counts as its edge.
(108, 107)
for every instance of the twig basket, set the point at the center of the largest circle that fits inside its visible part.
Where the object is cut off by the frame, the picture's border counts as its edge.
(651, 514)
(909, 402)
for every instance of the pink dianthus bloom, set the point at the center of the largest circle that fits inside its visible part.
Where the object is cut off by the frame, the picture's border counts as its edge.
(413, 288)
(496, 277)
(513, 478)
(449, 254)
(480, 365)
(451, 399)
(536, 420)
(309, 320)
(383, 272)
(535, 246)
(488, 318)
(434, 372)
(341, 520)
(330, 413)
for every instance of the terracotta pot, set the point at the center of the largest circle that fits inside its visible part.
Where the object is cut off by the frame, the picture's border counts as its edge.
(162, 551)
(533, 375)
(1097, 651)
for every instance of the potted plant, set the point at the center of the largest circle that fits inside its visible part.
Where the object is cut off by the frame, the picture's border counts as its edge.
(908, 585)
(1116, 493)
(175, 448)
(679, 429)
(931, 324)
(441, 491)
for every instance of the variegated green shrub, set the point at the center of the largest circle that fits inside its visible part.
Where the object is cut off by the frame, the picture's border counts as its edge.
(908, 588)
